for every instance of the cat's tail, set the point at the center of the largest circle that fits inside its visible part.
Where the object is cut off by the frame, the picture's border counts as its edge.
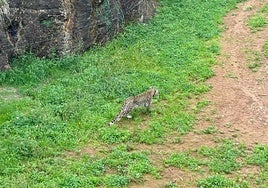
(111, 123)
(116, 119)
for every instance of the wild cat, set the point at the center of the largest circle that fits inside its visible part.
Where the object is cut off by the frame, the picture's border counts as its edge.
(143, 99)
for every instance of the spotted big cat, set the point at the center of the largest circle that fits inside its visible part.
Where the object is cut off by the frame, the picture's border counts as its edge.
(143, 99)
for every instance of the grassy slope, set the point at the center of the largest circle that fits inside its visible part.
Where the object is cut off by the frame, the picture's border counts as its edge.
(65, 104)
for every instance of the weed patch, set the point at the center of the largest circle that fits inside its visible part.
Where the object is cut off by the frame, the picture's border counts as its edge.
(265, 48)
(220, 181)
(254, 60)
(182, 160)
(222, 159)
(259, 156)
(259, 20)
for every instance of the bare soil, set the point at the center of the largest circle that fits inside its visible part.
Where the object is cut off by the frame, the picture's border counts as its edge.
(9, 93)
(240, 95)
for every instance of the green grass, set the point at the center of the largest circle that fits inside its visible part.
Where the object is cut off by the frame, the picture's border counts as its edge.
(182, 160)
(220, 181)
(222, 159)
(61, 105)
(265, 48)
(210, 130)
(171, 185)
(265, 9)
(258, 21)
(85, 171)
(254, 66)
(259, 156)
(254, 59)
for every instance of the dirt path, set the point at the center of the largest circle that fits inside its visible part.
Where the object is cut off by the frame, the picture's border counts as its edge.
(239, 95)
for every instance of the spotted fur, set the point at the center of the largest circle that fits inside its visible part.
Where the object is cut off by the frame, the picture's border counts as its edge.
(143, 99)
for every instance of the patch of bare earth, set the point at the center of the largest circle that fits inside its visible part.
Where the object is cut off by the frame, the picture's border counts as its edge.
(239, 95)
(8, 93)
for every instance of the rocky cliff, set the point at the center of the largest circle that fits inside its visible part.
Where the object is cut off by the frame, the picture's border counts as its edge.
(63, 26)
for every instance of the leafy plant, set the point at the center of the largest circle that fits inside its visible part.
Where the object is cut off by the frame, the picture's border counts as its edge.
(171, 185)
(182, 160)
(258, 21)
(254, 60)
(210, 130)
(265, 9)
(223, 158)
(259, 156)
(219, 181)
(113, 135)
(254, 66)
(117, 181)
(265, 47)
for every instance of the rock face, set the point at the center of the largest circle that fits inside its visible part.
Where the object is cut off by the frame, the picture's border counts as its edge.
(64, 26)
